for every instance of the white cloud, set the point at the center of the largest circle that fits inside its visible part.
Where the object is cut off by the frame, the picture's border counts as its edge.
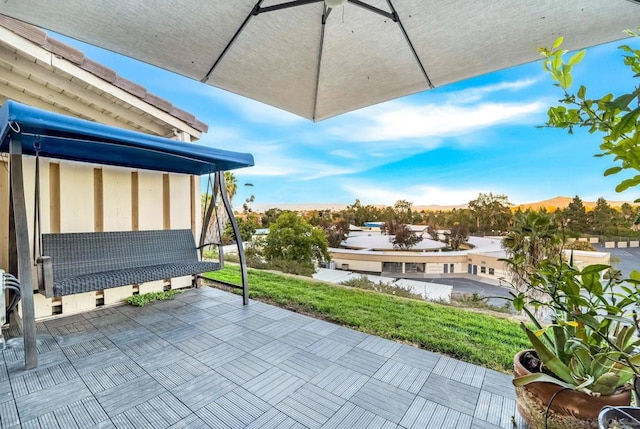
(344, 154)
(419, 195)
(397, 120)
(471, 95)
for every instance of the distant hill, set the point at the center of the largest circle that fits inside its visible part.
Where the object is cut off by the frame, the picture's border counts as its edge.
(550, 205)
(562, 202)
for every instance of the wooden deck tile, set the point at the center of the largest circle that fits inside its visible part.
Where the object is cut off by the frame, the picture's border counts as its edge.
(254, 322)
(311, 406)
(275, 352)
(178, 373)
(362, 361)
(495, 409)
(383, 400)
(340, 381)
(250, 341)
(273, 385)
(351, 416)
(203, 389)
(277, 329)
(417, 358)
(112, 376)
(127, 395)
(236, 409)
(42, 378)
(9, 415)
(300, 338)
(347, 336)
(402, 376)
(230, 331)
(444, 391)
(463, 372)
(40, 402)
(274, 419)
(379, 346)
(320, 327)
(244, 368)
(219, 355)
(159, 412)
(193, 345)
(329, 349)
(305, 365)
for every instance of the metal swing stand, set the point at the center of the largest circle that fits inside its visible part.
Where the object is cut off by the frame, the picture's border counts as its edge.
(218, 187)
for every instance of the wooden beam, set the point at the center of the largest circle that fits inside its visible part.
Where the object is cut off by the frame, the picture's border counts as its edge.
(19, 211)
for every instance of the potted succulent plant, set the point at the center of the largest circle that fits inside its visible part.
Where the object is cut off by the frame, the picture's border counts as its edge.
(584, 352)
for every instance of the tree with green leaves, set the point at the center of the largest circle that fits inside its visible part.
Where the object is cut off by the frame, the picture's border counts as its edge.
(404, 238)
(615, 117)
(292, 238)
(491, 213)
(457, 236)
(602, 217)
(575, 216)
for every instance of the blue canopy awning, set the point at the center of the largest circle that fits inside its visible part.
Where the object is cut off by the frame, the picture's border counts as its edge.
(74, 139)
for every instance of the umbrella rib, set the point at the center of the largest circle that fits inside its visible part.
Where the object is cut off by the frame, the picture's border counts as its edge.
(254, 12)
(413, 49)
(325, 15)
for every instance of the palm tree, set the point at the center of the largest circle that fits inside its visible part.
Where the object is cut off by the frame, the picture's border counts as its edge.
(534, 238)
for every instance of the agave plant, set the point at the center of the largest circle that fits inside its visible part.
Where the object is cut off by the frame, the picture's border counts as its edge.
(590, 340)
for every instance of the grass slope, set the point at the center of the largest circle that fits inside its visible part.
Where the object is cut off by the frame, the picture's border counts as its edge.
(478, 338)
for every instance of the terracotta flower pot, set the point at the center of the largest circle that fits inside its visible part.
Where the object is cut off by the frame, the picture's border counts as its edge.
(569, 409)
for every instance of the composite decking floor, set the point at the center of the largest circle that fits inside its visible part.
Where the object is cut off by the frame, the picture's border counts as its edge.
(205, 360)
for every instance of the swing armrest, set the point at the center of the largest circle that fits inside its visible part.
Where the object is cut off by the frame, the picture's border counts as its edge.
(45, 275)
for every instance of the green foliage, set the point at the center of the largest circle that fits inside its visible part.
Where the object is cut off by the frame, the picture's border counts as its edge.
(404, 238)
(470, 336)
(146, 298)
(292, 238)
(580, 245)
(616, 118)
(591, 343)
(491, 213)
(457, 235)
(363, 282)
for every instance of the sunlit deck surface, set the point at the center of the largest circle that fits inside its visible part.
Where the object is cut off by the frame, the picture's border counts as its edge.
(203, 360)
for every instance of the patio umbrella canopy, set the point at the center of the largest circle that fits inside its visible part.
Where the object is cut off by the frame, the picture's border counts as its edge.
(64, 137)
(318, 62)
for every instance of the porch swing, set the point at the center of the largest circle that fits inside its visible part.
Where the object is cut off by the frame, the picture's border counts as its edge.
(26, 130)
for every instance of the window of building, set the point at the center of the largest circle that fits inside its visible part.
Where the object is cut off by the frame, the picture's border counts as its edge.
(483, 270)
(446, 268)
(392, 267)
(491, 271)
(413, 267)
(450, 268)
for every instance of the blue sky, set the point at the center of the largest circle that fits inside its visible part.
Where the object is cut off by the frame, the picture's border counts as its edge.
(442, 146)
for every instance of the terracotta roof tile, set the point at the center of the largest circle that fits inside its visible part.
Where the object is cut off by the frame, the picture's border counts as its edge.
(40, 38)
(131, 87)
(99, 70)
(27, 31)
(63, 50)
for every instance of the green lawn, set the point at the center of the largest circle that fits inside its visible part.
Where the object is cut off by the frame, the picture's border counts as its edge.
(474, 337)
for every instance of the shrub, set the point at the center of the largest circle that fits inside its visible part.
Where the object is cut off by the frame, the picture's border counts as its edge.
(146, 298)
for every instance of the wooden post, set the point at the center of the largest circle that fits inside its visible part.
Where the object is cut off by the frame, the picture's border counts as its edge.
(236, 232)
(22, 255)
